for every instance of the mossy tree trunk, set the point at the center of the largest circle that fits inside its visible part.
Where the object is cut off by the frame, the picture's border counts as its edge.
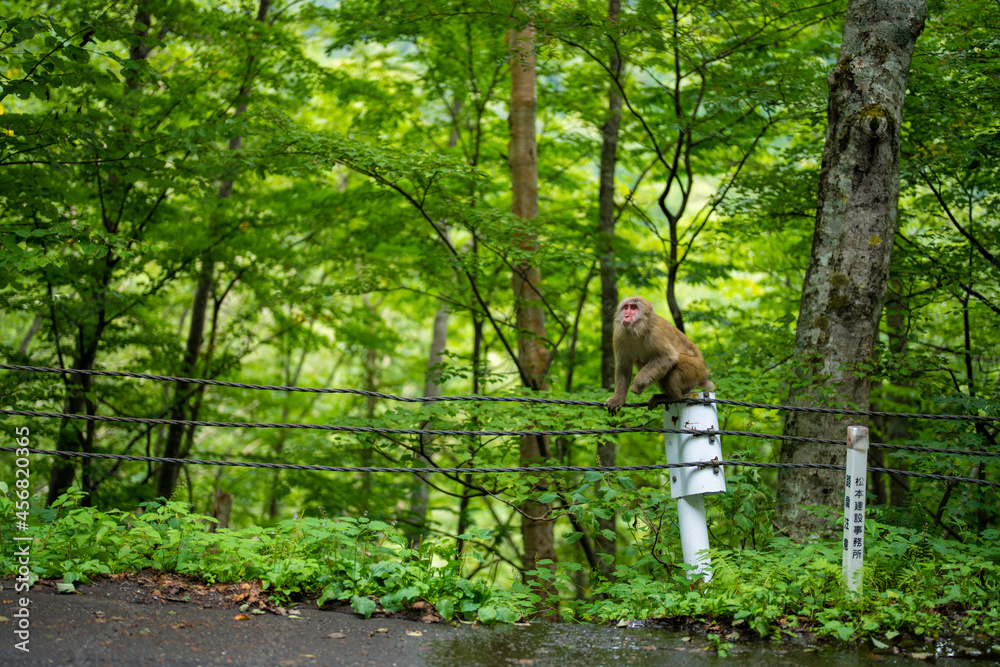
(848, 272)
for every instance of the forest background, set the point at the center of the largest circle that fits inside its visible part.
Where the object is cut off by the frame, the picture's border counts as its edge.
(314, 194)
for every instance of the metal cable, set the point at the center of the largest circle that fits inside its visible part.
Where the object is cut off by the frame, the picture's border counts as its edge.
(533, 469)
(414, 431)
(502, 399)
(296, 466)
(935, 450)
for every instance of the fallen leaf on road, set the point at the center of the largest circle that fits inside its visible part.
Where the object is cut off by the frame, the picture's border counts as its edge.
(241, 617)
(336, 635)
(414, 633)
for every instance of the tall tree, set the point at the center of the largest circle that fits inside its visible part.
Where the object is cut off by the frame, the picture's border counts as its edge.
(95, 321)
(606, 449)
(848, 271)
(539, 543)
(182, 406)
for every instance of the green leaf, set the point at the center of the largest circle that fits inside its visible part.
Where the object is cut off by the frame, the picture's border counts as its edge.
(363, 606)
(446, 607)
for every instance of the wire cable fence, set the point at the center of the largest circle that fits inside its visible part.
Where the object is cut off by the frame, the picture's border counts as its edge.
(501, 399)
(483, 433)
(377, 430)
(715, 463)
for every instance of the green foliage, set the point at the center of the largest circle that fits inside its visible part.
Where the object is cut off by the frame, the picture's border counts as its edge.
(345, 559)
(370, 194)
(914, 583)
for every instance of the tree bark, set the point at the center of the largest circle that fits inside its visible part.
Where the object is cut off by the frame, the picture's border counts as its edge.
(222, 505)
(71, 437)
(539, 543)
(845, 284)
(606, 215)
(606, 449)
(420, 498)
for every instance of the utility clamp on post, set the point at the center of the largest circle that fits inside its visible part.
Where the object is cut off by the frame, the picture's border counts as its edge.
(689, 485)
(855, 490)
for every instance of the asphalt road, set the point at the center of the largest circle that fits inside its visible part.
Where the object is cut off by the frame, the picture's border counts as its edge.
(159, 619)
(104, 625)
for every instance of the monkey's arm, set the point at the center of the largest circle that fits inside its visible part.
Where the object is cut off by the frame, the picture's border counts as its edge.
(623, 376)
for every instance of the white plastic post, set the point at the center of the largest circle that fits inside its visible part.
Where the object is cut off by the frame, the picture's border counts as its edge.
(855, 489)
(690, 484)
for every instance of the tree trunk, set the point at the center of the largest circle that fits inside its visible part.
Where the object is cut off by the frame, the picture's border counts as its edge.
(222, 505)
(845, 283)
(167, 479)
(417, 527)
(71, 437)
(537, 536)
(606, 216)
(606, 449)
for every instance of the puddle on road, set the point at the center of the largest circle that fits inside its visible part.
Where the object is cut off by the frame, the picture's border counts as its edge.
(564, 644)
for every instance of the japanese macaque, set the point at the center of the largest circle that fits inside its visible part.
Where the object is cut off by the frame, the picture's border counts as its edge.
(661, 352)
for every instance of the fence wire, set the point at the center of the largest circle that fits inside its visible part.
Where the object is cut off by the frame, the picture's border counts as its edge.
(715, 463)
(501, 399)
(378, 430)
(454, 432)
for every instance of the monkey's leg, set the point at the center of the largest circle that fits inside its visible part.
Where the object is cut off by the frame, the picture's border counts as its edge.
(679, 382)
(652, 372)
(656, 400)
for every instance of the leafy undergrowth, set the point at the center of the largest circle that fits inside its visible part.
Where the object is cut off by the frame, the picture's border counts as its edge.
(337, 560)
(915, 584)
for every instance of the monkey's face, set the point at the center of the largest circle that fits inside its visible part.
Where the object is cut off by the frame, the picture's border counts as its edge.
(630, 313)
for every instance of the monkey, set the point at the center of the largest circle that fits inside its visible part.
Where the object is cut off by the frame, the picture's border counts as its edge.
(661, 352)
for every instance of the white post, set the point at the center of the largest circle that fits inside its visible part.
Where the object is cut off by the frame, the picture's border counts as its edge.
(855, 489)
(689, 485)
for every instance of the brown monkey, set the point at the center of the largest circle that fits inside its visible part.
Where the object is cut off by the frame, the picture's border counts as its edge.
(662, 353)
